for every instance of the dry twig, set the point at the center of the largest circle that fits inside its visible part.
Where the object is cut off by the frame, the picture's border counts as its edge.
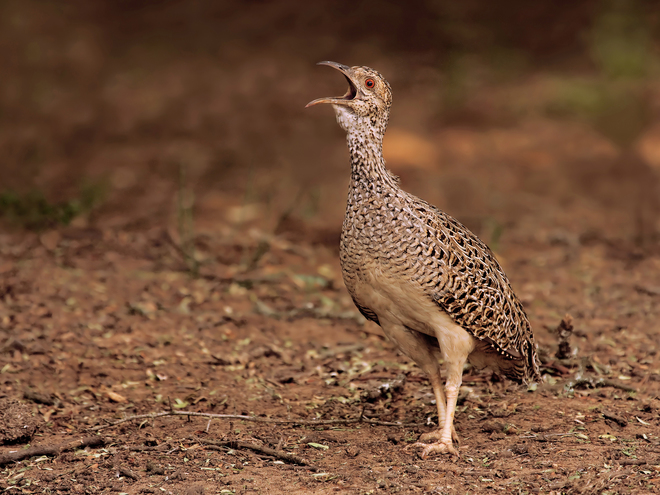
(613, 417)
(128, 473)
(256, 419)
(39, 398)
(39, 450)
(633, 462)
(547, 437)
(285, 456)
(602, 382)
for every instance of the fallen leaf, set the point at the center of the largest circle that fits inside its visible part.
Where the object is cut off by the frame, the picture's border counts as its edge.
(48, 414)
(115, 397)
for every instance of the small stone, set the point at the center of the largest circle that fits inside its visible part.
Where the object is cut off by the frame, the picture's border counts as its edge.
(352, 450)
(154, 468)
(195, 490)
(520, 449)
(492, 427)
(497, 435)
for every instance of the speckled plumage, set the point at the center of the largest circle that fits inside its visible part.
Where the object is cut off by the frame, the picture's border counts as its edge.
(418, 272)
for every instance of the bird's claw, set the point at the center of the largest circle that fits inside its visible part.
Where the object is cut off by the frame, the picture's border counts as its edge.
(440, 447)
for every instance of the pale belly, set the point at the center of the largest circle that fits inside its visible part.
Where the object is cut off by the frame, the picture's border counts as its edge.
(402, 302)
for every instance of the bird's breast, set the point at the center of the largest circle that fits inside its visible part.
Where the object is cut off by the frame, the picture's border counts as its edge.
(388, 240)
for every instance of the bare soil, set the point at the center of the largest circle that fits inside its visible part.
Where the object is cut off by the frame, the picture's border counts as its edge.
(109, 330)
(106, 325)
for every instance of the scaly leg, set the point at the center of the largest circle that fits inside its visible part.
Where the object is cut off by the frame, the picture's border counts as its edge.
(454, 379)
(441, 401)
(423, 350)
(455, 344)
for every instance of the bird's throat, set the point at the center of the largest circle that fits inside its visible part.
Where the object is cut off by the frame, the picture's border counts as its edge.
(368, 168)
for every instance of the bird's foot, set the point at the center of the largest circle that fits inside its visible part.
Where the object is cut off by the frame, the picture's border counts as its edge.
(440, 447)
(436, 436)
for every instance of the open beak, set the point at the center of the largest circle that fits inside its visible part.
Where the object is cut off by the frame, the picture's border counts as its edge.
(350, 95)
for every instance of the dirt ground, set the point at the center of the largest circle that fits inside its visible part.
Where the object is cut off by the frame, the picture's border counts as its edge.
(199, 271)
(100, 326)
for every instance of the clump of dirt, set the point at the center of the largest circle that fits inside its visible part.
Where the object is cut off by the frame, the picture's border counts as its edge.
(17, 422)
(564, 332)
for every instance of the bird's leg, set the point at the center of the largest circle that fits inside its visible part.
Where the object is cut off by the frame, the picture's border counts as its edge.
(421, 349)
(455, 344)
(445, 445)
(441, 401)
(454, 379)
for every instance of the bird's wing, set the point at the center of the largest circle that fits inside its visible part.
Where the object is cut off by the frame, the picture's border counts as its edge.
(472, 288)
(366, 312)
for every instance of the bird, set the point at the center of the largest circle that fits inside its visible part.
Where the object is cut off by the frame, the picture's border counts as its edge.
(436, 290)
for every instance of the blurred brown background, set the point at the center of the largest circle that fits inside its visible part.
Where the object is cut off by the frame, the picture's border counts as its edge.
(535, 120)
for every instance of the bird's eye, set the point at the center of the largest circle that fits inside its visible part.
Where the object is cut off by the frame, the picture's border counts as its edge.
(369, 83)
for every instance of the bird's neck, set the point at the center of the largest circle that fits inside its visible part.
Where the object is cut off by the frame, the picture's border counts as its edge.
(368, 170)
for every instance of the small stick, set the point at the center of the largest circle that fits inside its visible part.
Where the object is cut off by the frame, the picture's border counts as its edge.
(286, 457)
(128, 473)
(602, 382)
(482, 472)
(39, 398)
(50, 449)
(546, 437)
(143, 448)
(257, 419)
(613, 417)
(633, 462)
(605, 382)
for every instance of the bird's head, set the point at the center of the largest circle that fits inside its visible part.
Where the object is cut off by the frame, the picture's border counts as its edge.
(365, 107)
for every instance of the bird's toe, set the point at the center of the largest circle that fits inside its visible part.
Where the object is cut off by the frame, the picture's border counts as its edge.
(439, 447)
(436, 436)
(454, 436)
(431, 436)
